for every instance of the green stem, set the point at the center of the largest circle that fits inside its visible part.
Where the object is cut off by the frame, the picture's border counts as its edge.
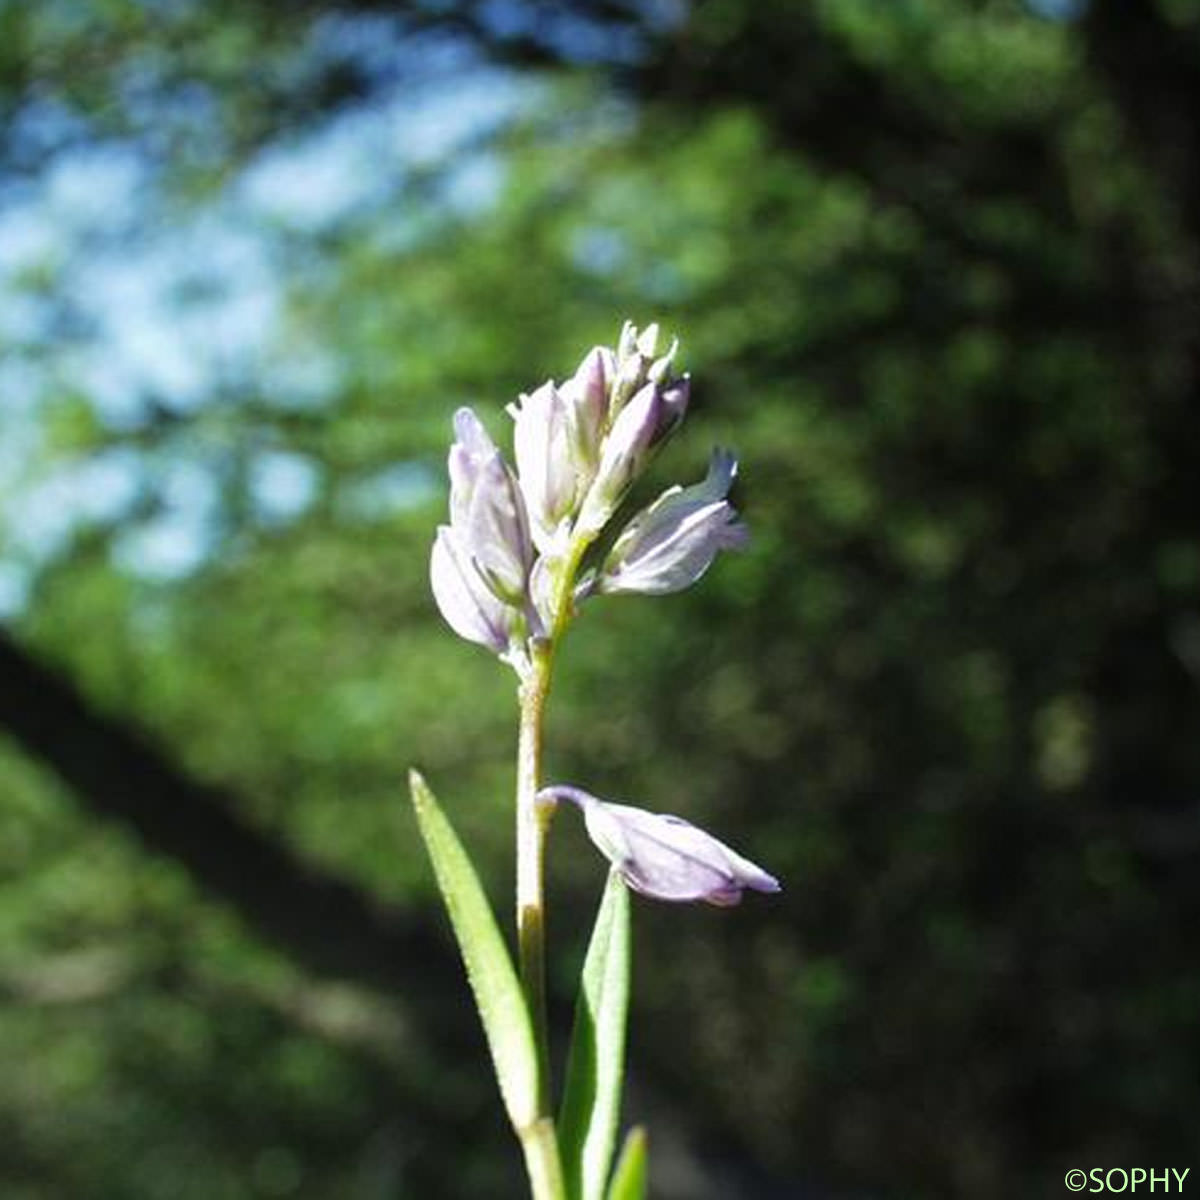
(543, 1165)
(532, 825)
(539, 1140)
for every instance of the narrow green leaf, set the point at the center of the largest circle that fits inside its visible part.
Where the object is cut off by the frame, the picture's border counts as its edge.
(629, 1179)
(493, 979)
(596, 1060)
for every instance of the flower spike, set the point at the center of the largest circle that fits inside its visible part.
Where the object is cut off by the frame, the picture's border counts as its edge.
(506, 569)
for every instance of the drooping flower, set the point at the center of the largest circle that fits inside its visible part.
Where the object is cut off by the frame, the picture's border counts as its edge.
(663, 856)
(670, 544)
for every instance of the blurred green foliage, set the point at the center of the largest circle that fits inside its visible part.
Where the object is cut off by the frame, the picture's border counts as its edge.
(934, 265)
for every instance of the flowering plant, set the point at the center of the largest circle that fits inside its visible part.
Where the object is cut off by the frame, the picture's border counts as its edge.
(508, 572)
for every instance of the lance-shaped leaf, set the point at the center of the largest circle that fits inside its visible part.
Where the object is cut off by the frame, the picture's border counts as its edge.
(630, 1178)
(596, 1060)
(493, 979)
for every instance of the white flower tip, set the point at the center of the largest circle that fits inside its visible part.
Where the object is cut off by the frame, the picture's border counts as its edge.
(647, 341)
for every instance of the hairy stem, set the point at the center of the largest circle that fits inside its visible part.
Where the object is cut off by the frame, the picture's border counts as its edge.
(539, 1141)
(532, 823)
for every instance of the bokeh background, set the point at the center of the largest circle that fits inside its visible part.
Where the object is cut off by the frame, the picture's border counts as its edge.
(935, 265)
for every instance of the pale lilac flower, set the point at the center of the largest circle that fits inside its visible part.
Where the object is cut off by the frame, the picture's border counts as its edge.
(587, 403)
(546, 466)
(480, 563)
(669, 545)
(463, 596)
(487, 510)
(662, 856)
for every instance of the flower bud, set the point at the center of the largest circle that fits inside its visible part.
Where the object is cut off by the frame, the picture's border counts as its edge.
(469, 452)
(631, 373)
(587, 397)
(635, 352)
(669, 545)
(622, 457)
(675, 398)
(647, 340)
(627, 341)
(487, 510)
(664, 857)
(658, 369)
(463, 597)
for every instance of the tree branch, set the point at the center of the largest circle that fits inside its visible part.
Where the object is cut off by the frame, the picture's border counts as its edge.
(323, 923)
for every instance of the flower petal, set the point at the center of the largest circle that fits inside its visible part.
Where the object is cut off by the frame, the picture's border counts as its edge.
(496, 530)
(487, 510)
(622, 456)
(469, 607)
(587, 400)
(472, 447)
(669, 545)
(546, 466)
